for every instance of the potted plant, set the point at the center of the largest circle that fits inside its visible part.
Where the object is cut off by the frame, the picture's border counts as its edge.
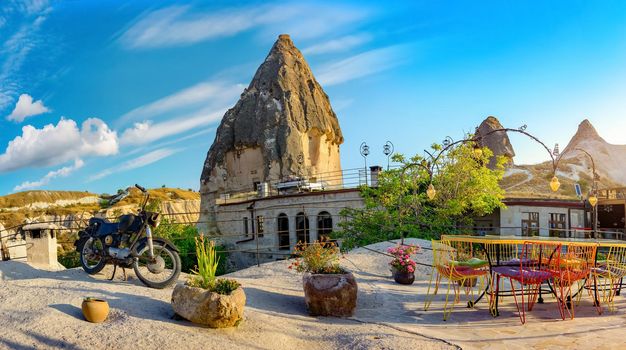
(402, 266)
(95, 310)
(329, 290)
(205, 299)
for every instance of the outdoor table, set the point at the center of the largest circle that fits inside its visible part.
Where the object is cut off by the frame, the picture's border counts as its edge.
(518, 240)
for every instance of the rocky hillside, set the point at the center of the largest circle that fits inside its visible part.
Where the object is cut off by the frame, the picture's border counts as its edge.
(575, 166)
(68, 208)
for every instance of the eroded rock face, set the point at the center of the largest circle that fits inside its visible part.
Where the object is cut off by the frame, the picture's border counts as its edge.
(330, 294)
(207, 308)
(498, 142)
(282, 126)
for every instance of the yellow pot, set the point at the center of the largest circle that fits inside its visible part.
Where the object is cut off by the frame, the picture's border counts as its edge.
(95, 310)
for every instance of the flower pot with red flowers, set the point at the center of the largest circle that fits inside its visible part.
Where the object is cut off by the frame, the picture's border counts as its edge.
(329, 290)
(402, 265)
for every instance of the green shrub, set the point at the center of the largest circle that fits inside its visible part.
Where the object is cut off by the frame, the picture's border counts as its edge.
(69, 259)
(225, 286)
(183, 237)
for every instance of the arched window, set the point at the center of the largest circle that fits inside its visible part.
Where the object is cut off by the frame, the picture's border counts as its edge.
(302, 228)
(282, 228)
(324, 225)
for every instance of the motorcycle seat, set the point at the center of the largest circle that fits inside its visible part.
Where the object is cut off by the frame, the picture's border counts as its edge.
(104, 227)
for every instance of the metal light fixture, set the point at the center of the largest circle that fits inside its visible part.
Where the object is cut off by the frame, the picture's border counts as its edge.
(593, 200)
(365, 151)
(555, 184)
(388, 151)
(431, 192)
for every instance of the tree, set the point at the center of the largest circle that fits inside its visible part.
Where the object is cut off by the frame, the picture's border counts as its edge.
(399, 206)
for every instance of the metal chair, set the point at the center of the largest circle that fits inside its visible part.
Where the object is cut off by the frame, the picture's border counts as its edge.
(607, 276)
(461, 268)
(573, 269)
(535, 266)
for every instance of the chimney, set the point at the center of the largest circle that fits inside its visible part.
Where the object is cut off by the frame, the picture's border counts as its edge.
(374, 171)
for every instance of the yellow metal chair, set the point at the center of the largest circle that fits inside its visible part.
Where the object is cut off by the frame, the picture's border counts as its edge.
(607, 276)
(460, 265)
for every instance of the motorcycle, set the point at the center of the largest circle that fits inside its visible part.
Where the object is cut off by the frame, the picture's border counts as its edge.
(130, 243)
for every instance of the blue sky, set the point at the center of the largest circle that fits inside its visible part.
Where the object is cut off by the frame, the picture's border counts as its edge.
(98, 95)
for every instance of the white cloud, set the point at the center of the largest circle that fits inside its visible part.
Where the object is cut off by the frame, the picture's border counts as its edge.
(147, 131)
(205, 93)
(53, 145)
(362, 65)
(342, 44)
(62, 172)
(16, 47)
(138, 162)
(179, 25)
(25, 107)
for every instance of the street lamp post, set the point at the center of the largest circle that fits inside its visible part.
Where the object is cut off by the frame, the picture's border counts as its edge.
(365, 151)
(388, 151)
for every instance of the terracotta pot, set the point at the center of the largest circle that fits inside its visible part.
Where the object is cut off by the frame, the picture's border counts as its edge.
(95, 310)
(209, 308)
(402, 277)
(330, 294)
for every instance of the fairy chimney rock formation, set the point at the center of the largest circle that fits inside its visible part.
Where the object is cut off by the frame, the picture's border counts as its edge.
(585, 134)
(498, 142)
(283, 126)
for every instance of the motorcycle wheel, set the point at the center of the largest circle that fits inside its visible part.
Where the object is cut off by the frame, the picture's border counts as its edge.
(161, 272)
(91, 262)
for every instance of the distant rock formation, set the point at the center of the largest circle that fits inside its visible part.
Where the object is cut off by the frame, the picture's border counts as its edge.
(282, 126)
(498, 142)
(574, 167)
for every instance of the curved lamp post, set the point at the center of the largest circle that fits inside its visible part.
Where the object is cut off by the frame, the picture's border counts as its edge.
(448, 143)
(593, 196)
(388, 151)
(365, 151)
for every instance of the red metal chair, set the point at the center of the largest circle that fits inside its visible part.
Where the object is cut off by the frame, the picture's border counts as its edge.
(536, 265)
(573, 270)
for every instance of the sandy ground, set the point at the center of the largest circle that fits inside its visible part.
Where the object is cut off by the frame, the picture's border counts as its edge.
(40, 309)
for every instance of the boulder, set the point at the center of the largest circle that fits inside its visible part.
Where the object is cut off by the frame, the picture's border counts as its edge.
(330, 294)
(209, 308)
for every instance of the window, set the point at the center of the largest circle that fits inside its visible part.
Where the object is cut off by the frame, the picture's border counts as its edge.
(324, 225)
(245, 226)
(282, 228)
(530, 224)
(557, 225)
(302, 228)
(260, 225)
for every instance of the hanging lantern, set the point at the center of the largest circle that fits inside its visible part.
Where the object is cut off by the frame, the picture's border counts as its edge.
(431, 192)
(555, 184)
(593, 200)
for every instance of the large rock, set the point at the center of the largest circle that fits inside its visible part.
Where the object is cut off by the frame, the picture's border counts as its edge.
(498, 142)
(330, 294)
(208, 308)
(282, 126)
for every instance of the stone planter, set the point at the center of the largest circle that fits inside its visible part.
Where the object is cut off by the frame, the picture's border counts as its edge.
(209, 308)
(330, 294)
(95, 310)
(402, 277)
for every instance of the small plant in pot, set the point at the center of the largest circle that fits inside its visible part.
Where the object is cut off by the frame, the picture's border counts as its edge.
(205, 299)
(402, 266)
(329, 290)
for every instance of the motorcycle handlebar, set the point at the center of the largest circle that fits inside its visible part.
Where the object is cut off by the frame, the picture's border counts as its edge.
(142, 189)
